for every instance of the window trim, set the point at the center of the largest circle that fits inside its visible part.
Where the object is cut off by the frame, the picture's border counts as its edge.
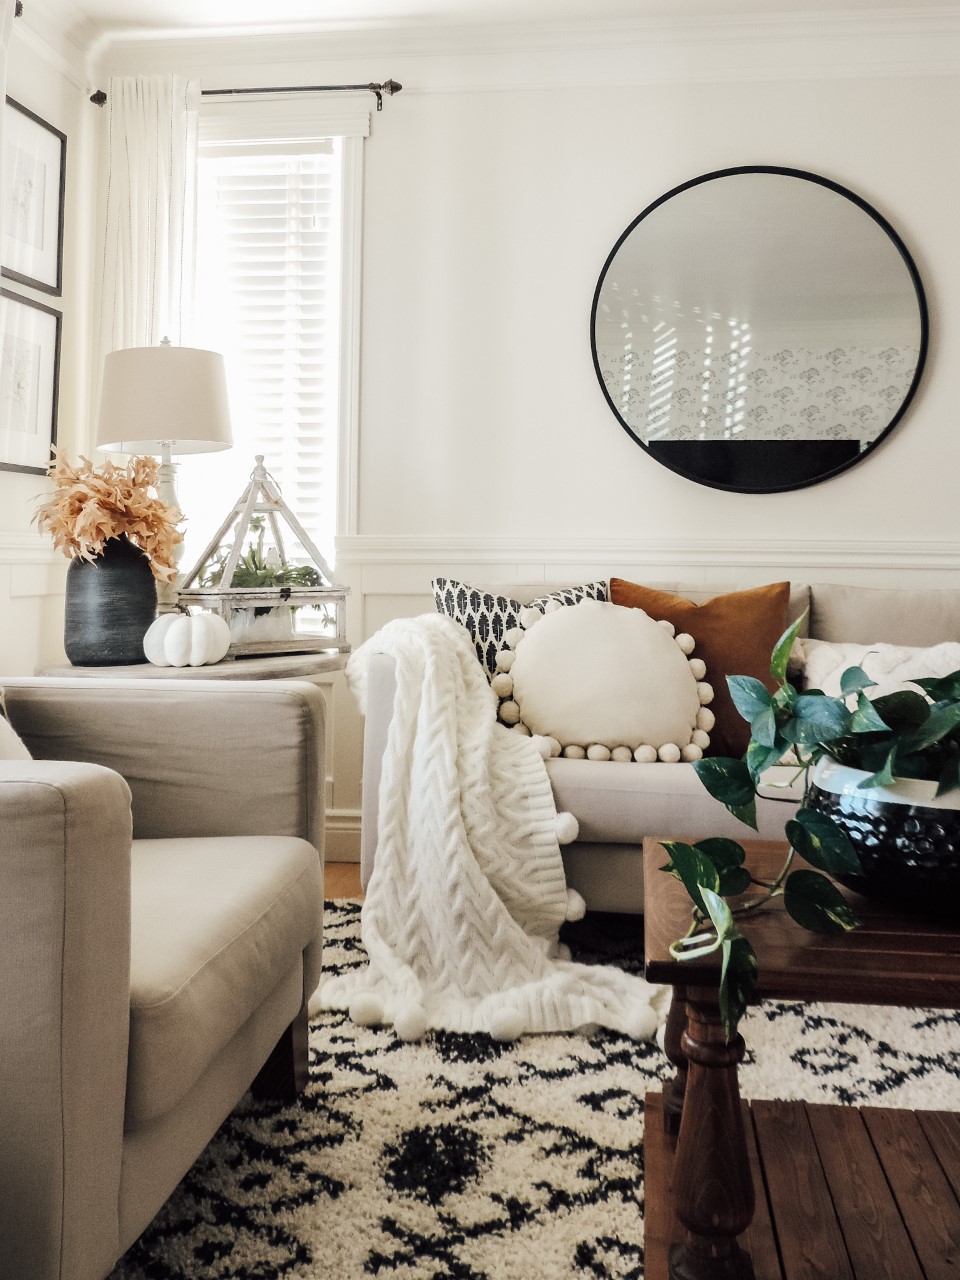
(279, 119)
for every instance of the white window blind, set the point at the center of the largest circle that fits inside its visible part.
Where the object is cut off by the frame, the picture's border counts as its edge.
(269, 286)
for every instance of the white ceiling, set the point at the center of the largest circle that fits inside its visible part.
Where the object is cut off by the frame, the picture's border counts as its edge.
(133, 18)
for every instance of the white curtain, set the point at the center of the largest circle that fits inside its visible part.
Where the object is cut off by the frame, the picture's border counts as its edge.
(6, 31)
(149, 246)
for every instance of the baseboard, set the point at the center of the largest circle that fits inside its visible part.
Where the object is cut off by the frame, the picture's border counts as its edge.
(342, 838)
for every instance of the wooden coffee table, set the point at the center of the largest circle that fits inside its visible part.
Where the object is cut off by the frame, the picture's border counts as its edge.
(788, 1190)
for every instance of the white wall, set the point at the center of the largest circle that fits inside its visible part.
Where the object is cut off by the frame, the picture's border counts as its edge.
(495, 184)
(47, 78)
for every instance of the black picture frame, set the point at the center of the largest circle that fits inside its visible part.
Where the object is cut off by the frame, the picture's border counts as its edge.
(32, 206)
(30, 333)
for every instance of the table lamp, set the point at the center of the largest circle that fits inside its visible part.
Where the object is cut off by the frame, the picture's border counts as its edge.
(164, 400)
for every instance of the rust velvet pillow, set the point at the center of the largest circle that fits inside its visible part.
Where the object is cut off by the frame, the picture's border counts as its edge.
(735, 635)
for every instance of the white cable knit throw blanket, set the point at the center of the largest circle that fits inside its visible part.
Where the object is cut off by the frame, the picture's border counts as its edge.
(461, 915)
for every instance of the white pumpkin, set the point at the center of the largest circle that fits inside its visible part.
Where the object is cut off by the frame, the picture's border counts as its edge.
(186, 640)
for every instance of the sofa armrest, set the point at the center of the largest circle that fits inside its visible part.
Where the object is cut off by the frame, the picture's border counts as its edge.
(65, 834)
(202, 757)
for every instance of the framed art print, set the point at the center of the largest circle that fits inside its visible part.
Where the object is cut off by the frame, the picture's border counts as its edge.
(29, 382)
(34, 175)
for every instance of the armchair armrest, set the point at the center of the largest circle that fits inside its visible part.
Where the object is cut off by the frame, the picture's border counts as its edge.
(202, 757)
(65, 836)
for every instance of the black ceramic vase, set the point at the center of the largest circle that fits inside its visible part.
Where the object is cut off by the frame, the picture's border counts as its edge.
(110, 603)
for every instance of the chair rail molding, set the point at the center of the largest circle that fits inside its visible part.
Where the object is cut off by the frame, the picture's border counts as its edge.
(668, 553)
(27, 548)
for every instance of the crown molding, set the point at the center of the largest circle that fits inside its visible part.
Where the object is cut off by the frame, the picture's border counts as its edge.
(40, 28)
(682, 553)
(899, 42)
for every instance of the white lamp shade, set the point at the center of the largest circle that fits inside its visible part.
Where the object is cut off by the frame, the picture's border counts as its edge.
(165, 396)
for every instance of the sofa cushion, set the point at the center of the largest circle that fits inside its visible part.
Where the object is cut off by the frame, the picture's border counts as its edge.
(623, 805)
(598, 677)
(488, 616)
(734, 634)
(864, 615)
(216, 922)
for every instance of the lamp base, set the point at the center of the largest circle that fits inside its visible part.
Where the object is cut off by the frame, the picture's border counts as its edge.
(167, 592)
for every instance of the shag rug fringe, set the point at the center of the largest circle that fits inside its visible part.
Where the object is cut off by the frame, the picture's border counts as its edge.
(463, 1157)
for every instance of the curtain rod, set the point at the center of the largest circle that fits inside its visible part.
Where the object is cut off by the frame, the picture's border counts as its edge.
(389, 87)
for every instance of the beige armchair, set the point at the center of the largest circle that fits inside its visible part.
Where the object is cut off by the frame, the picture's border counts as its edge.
(154, 962)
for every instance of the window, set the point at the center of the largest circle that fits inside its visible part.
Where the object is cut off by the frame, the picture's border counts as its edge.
(276, 269)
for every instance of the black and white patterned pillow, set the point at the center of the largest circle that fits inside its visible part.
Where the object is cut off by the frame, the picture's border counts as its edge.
(488, 617)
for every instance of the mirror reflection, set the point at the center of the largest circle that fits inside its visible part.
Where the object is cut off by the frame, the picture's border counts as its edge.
(759, 329)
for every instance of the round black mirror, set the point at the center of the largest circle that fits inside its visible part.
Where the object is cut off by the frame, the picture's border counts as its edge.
(759, 329)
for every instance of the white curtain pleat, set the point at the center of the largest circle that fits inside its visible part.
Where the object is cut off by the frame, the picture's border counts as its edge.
(149, 247)
(6, 32)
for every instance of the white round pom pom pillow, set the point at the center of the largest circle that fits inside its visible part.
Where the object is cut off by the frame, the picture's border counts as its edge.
(607, 683)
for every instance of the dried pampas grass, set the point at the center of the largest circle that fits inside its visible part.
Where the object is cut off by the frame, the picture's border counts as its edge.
(90, 505)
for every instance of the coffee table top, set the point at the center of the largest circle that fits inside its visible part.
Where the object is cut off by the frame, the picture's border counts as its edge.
(890, 959)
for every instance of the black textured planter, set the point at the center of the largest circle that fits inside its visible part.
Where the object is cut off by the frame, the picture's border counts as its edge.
(908, 840)
(110, 603)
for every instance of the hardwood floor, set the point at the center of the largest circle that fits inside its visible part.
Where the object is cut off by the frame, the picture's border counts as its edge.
(342, 880)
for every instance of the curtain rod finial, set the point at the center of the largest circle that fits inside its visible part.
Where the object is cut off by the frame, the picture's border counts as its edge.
(98, 98)
(18, 9)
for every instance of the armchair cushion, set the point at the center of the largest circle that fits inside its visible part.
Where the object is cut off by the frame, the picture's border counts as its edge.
(214, 921)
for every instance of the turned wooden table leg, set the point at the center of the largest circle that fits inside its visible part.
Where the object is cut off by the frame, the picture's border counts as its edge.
(712, 1181)
(673, 1092)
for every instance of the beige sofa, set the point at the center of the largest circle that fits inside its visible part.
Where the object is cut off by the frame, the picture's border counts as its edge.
(155, 961)
(618, 805)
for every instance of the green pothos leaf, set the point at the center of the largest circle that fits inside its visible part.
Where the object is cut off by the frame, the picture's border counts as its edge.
(693, 869)
(781, 650)
(728, 858)
(825, 845)
(817, 904)
(728, 780)
(738, 982)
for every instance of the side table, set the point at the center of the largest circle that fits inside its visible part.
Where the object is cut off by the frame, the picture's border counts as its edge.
(787, 1190)
(284, 666)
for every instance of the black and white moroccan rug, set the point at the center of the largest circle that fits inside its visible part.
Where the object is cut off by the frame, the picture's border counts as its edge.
(463, 1159)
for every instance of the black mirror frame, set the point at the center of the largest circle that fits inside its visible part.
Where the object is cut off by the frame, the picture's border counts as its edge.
(881, 222)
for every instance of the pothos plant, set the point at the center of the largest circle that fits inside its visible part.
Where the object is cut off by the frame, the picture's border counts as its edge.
(906, 734)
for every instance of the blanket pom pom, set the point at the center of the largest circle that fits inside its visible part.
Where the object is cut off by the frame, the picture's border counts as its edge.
(410, 1022)
(506, 1024)
(576, 907)
(502, 684)
(543, 745)
(642, 1024)
(509, 712)
(567, 828)
(366, 1010)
